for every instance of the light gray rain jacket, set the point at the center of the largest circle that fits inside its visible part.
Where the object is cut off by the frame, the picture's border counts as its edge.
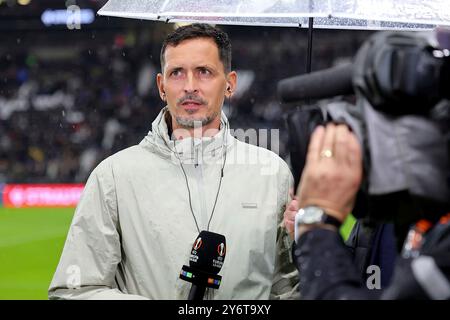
(133, 228)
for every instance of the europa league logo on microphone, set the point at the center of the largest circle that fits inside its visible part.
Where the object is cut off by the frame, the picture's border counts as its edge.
(197, 244)
(221, 249)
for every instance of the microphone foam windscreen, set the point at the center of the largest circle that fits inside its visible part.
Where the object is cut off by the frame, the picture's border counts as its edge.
(208, 252)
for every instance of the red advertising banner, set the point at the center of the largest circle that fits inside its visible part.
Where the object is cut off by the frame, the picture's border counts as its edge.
(41, 195)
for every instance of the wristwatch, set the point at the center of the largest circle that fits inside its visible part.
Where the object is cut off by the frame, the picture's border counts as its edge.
(313, 215)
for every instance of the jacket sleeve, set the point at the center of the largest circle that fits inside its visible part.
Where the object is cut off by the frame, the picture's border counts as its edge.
(92, 251)
(327, 271)
(326, 268)
(285, 281)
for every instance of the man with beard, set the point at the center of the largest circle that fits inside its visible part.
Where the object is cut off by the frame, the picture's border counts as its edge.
(143, 207)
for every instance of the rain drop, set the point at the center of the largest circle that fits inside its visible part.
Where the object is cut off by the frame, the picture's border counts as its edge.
(63, 113)
(317, 273)
(18, 40)
(304, 265)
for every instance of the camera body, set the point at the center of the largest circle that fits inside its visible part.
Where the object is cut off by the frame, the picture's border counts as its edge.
(401, 82)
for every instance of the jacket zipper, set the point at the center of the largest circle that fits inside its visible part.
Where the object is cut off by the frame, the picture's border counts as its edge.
(198, 168)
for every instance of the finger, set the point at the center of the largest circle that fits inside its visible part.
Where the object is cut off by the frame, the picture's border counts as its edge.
(289, 225)
(341, 143)
(291, 193)
(328, 140)
(290, 228)
(293, 206)
(290, 218)
(354, 154)
(315, 145)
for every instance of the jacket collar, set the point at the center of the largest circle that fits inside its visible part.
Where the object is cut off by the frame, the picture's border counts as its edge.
(191, 149)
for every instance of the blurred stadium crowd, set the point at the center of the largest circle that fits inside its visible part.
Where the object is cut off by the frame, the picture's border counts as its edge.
(70, 98)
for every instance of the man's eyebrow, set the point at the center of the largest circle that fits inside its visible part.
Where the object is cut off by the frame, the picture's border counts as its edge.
(205, 66)
(171, 69)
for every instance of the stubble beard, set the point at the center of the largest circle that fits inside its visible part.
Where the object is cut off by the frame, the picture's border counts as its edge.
(191, 123)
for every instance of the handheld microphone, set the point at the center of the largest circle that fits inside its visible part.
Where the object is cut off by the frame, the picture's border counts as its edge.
(207, 257)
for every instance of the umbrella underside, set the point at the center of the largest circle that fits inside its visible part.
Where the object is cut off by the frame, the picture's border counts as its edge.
(342, 14)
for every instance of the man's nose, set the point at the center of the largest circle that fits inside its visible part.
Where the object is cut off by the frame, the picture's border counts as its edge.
(191, 84)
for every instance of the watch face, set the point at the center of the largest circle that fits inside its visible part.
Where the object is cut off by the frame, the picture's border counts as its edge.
(313, 215)
(310, 215)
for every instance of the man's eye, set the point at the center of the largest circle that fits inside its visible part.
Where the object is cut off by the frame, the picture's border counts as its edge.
(204, 71)
(175, 73)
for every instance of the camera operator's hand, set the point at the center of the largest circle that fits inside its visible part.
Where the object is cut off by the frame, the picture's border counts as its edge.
(333, 171)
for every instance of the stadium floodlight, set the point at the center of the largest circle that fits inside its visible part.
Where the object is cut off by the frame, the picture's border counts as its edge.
(52, 17)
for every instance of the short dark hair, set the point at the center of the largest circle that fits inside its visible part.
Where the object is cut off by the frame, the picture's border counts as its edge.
(200, 30)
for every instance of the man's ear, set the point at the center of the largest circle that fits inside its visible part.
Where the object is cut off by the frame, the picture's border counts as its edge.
(160, 83)
(231, 84)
